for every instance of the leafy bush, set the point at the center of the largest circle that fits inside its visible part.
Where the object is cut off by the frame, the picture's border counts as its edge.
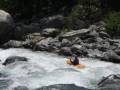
(87, 10)
(113, 23)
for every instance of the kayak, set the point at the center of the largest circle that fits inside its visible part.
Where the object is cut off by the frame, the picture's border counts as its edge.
(80, 66)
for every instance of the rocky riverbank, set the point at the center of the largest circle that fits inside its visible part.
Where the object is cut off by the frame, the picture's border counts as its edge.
(46, 35)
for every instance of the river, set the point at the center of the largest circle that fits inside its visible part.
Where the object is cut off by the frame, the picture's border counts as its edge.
(43, 69)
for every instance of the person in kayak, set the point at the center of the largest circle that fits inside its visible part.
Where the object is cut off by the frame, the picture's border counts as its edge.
(74, 59)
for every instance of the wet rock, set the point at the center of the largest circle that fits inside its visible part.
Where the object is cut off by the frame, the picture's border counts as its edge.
(54, 45)
(62, 87)
(76, 40)
(78, 33)
(6, 26)
(111, 56)
(50, 32)
(79, 49)
(65, 51)
(111, 82)
(43, 45)
(94, 53)
(32, 39)
(112, 41)
(56, 21)
(21, 88)
(90, 40)
(13, 59)
(92, 34)
(104, 35)
(117, 51)
(13, 44)
(66, 43)
(103, 46)
(76, 46)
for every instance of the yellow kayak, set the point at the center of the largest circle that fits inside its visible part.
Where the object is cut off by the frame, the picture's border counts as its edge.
(81, 66)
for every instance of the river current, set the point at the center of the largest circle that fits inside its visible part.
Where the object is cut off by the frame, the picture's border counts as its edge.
(43, 69)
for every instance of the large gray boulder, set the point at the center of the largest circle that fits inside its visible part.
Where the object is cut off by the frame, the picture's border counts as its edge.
(13, 59)
(111, 56)
(78, 33)
(6, 26)
(48, 44)
(43, 45)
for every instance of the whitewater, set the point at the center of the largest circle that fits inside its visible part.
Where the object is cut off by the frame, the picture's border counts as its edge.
(43, 69)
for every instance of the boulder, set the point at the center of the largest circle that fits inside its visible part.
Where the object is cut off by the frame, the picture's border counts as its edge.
(66, 51)
(103, 46)
(78, 33)
(79, 49)
(94, 53)
(111, 56)
(66, 43)
(32, 39)
(111, 82)
(104, 35)
(50, 32)
(7, 26)
(117, 51)
(43, 45)
(76, 40)
(92, 34)
(55, 43)
(62, 87)
(90, 40)
(56, 21)
(13, 44)
(23, 29)
(13, 59)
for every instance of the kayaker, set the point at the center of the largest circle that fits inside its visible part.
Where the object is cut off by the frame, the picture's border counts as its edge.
(74, 59)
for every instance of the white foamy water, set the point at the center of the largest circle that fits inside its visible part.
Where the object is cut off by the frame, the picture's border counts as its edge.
(43, 69)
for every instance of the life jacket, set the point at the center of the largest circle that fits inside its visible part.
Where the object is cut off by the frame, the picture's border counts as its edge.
(74, 60)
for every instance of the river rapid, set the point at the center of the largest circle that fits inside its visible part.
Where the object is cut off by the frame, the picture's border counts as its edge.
(43, 69)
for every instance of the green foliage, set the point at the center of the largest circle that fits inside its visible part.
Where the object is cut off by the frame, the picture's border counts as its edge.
(87, 10)
(113, 23)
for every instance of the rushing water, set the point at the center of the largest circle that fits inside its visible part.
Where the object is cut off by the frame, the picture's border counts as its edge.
(43, 69)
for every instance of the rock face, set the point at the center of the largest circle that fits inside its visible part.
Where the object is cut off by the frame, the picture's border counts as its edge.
(13, 59)
(112, 82)
(62, 87)
(6, 26)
